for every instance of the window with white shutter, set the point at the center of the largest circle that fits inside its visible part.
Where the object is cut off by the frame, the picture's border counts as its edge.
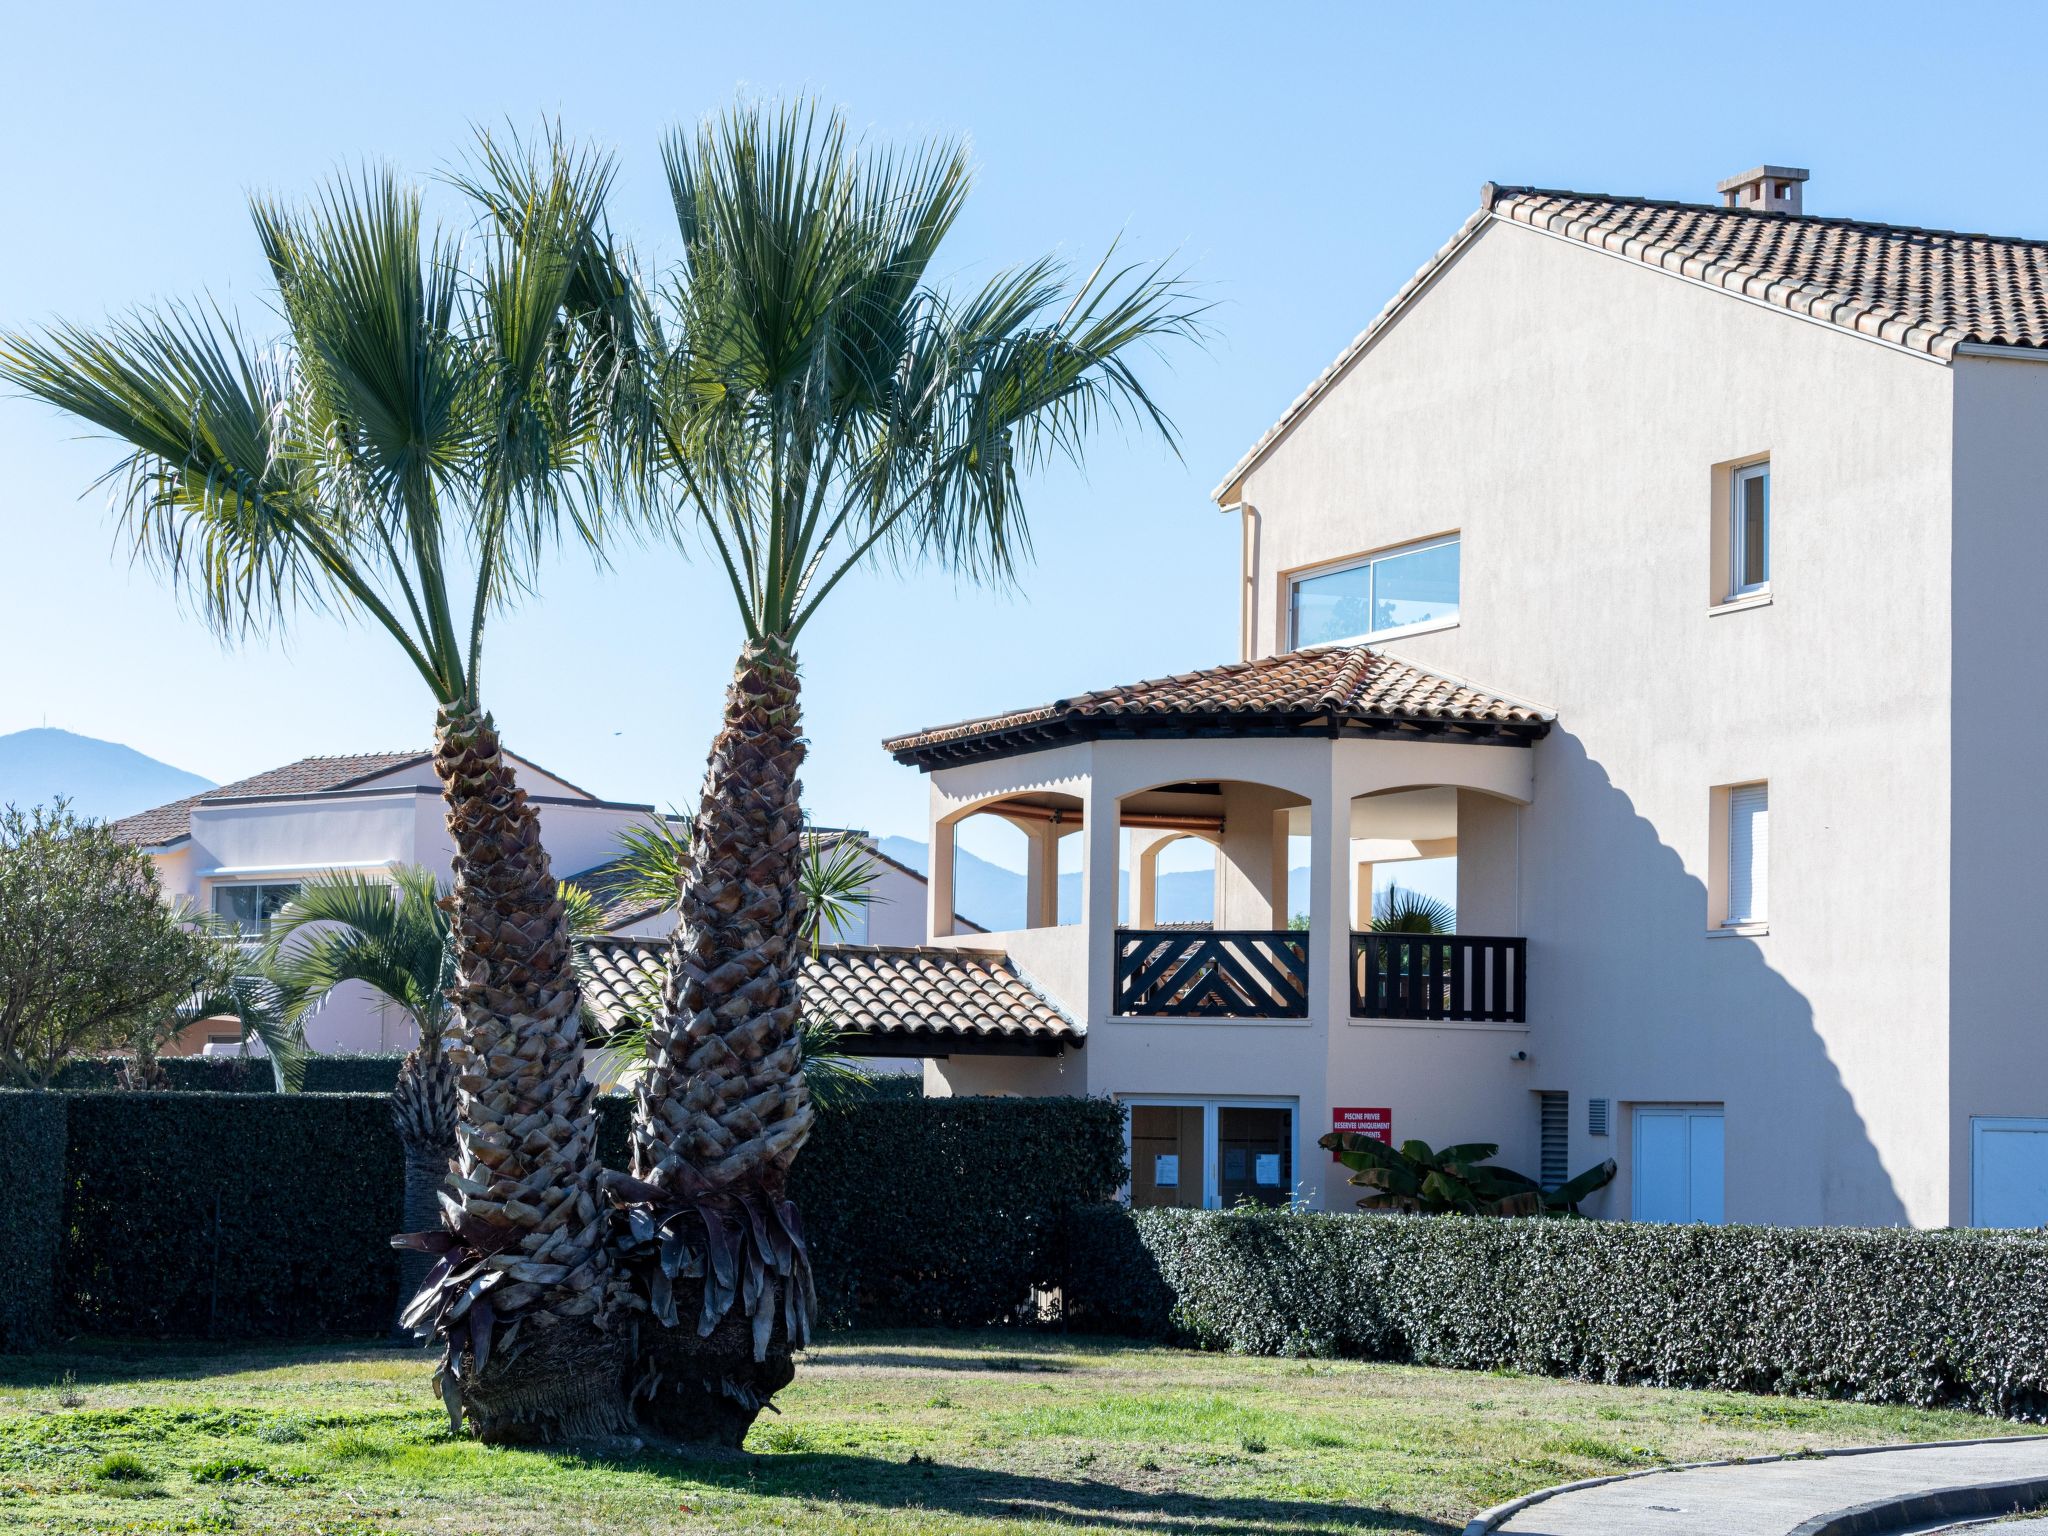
(1749, 821)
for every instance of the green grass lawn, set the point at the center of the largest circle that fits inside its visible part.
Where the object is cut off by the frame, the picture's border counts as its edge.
(997, 1434)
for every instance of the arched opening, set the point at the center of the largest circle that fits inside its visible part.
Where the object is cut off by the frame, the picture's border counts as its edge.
(1204, 922)
(1436, 906)
(1015, 862)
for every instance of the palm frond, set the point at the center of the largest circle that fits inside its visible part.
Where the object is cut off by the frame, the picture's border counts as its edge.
(1397, 910)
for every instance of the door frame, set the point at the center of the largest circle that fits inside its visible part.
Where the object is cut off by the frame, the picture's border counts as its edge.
(1982, 1123)
(1212, 1160)
(1687, 1107)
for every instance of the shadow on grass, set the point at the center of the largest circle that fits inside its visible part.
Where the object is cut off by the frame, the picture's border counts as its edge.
(918, 1360)
(110, 1362)
(1085, 1504)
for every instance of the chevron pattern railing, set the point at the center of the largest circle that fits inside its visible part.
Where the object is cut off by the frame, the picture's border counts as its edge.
(1227, 973)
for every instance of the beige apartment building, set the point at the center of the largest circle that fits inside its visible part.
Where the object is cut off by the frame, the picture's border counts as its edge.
(1674, 568)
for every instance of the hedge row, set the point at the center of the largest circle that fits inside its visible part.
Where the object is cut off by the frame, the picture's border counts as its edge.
(1928, 1319)
(235, 1074)
(31, 1215)
(231, 1215)
(235, 1215)
(937, 1213)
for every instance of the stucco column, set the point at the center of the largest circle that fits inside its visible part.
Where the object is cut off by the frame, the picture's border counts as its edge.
(1041, 873)
(1146, 846)
(1099, 874)
(938, 888)
(1329, 905)
(1361, 904)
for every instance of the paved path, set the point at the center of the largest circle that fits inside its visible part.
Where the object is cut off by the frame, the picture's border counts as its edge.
(1773, 1498)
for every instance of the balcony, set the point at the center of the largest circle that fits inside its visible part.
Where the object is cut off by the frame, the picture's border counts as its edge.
(1239, 973)
(1443, 978)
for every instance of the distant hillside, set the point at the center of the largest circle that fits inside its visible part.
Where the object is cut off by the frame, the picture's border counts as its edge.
(100, 778)
(994, 896)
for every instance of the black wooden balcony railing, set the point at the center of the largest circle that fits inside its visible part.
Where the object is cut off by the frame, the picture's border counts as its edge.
(1217, 974)
(1449, 978)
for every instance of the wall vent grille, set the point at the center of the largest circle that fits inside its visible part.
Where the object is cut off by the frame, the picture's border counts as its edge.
(1596, 1117)
(1556, 1139)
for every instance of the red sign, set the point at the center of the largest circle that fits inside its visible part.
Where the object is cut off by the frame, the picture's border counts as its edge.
(1376, 1123)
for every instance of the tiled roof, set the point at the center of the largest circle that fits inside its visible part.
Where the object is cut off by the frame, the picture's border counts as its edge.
(1332, 688)
(1927, 290)
(307, 776)
(620, 908)
(868, 990)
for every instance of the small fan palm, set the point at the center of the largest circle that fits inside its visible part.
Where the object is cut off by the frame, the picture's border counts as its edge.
(1396, 910)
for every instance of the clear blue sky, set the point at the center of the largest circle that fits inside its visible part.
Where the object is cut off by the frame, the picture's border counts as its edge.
(1302, 161)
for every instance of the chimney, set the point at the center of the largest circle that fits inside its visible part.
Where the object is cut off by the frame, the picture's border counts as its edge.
(1773, 188)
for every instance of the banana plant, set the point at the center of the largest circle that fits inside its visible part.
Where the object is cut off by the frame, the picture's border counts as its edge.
(1417, 1178)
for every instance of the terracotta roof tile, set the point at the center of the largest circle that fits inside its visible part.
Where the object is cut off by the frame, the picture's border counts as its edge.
(307, 776)
(866, 989)
(1928, 290)
(1307, 692)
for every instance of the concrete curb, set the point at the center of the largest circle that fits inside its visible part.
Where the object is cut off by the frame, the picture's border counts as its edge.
(1974, 1501)
(1489, 1520)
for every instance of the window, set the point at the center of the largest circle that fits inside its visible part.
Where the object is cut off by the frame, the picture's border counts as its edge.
(1211, 1153)
(1395, 592)
(1739, 858)
(1748, 537)
(249, 908)
(1749, 839)
(1678, 1163)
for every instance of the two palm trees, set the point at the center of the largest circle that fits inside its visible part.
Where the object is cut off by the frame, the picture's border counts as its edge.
(433, 421)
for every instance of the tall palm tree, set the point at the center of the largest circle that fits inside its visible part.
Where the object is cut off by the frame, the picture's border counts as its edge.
(394, 935)
(818, 403)
(406, 452)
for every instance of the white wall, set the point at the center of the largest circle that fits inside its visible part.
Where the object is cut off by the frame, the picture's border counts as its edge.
(1997, 906)
(1562, 409)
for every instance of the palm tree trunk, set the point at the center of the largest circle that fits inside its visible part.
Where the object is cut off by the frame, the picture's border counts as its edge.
(423, 1110)
(724, 1108)
(532, 1356)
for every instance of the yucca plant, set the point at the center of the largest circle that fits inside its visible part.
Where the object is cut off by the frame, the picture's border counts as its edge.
(817, 403)
(429, 423)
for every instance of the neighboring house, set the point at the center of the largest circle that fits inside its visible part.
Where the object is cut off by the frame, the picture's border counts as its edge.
(240, 851)
(1673, 568)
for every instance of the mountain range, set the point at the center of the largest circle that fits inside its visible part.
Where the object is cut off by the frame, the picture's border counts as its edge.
(101, 779)
(993, 896)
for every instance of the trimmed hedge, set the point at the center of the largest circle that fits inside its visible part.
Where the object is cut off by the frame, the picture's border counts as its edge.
(231, 1215)
(264, 1215)
(364, 1073)
(937, 1213)
(348, 1073)
(947, 1212)
(182, 1074)
(31, 1215)
(1928, 1319)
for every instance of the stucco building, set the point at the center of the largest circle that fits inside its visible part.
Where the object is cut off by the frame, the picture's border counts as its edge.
(1672, 567)
(241, 850)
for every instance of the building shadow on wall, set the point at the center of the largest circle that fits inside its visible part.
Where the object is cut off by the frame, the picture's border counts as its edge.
(1630, 993)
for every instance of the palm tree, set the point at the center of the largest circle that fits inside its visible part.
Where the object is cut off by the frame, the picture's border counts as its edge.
(818, 403)
(406, 452)
(394, 935)
(837, 879)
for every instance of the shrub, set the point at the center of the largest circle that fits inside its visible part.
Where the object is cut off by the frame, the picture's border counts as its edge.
(1928, 1319)
(32, 1199)
(122, 1467)
(364, 1073)
(946, 1212)
(182, 1074)
(231, 1215)
(251, 1215)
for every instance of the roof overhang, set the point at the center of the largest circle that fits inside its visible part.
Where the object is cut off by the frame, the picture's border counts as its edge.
(1061, 730)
